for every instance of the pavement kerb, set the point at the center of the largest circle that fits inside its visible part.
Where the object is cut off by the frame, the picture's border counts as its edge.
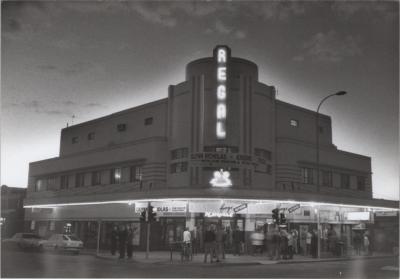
(177, 262)
(336, 259)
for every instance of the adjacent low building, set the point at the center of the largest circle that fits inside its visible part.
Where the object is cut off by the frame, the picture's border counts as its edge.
(12, 210)
(219, 148)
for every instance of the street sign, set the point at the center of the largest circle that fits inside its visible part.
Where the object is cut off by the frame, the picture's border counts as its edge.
(293, 208)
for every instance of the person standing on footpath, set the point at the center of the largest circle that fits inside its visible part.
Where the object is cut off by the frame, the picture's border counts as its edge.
(209, 244)
(314, 243)
(290, 245)
(187, 239)
(276, 240)
(295, 235)
(366, 244)
(236, 238)
(114, 240)
(122, 235)
(129, 243)
(220, 241)
(308, 243)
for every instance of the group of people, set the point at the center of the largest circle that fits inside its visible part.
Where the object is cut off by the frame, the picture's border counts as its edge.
(122, 238)
(361, 242)
(280, 244)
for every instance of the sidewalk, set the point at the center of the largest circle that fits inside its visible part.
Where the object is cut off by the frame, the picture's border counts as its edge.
(164, 257)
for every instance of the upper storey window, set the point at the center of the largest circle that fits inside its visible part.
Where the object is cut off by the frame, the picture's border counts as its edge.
(74, 140)
(345, 181)
(179, 153)
(307, 175)
(116, 175)
(40, 185)
(326, 178)
(91, 136)
(294, 123)
(262, 153)
(148, 121)
(361, 183)
(136, 173)
(80, 180)
(121, 127)
(221, 149)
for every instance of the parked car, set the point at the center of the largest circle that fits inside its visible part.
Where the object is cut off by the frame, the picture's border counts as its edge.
(24, 241)
(62, 242)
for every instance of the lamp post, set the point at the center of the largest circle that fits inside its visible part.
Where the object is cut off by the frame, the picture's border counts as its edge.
(340, 93)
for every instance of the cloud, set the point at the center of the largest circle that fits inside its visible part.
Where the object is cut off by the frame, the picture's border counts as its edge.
(274, 10)
(375, 10)
(93, 105)
(154, 12)
(222, 28)
(329, 47)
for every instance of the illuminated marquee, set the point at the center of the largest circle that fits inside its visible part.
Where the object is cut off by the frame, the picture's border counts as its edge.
(221, 93)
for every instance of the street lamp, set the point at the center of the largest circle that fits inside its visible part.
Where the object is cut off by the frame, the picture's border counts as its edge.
(340, 93)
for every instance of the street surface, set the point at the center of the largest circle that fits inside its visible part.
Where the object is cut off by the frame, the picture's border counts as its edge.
(51, 265)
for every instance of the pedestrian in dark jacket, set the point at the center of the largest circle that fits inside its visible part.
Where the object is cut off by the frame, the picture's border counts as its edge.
(237, 241)
(114, 240)
(122, 235)
(209, 244)
(314, 244)
(129, 243)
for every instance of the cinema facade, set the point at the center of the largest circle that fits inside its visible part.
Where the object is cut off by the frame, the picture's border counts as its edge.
(220, 147)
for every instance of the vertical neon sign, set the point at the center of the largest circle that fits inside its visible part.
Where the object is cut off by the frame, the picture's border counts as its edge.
(221, 93)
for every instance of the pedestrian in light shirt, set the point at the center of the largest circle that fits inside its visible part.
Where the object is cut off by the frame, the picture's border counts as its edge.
(187, 239)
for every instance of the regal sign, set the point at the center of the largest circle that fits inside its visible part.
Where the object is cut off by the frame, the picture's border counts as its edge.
(221, 93)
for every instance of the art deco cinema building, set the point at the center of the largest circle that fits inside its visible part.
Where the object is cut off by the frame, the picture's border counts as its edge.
(220, 147)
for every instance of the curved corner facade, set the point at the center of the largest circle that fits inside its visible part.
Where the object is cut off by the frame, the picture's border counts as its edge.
(220, 138)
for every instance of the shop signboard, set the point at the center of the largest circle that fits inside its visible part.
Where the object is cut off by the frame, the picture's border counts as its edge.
(294, 208)
(171, 208)
(358, 216)
(385, 213)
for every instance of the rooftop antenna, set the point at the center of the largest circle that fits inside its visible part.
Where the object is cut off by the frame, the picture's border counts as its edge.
(72, 121)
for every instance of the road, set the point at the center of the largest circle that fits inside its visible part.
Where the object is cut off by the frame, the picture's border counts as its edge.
(34, 265)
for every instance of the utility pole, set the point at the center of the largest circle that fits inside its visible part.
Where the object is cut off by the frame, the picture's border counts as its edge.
(148, 230)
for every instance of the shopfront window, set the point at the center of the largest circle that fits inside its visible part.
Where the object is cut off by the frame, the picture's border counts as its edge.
(179, 167)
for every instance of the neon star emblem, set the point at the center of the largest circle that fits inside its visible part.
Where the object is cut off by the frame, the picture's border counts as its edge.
(221, 179)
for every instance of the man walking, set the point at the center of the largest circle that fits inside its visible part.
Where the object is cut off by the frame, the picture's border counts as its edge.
(236, 238)
(220, 239)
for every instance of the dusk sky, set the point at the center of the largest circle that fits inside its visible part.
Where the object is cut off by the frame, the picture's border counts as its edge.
(91, 59)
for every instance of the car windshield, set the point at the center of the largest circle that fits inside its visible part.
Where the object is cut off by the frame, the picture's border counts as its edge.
(73, 237)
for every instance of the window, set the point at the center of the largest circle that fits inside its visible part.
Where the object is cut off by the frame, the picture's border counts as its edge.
(148, 121)
(345, 181)
(121, 127)
(361, 183)
(116, 176)
(179, 153)
(307, 175)
(306, 213)
(269, 169)
(294, 123)
(263, 153)
(326, 178)
(91, 135)
(64, 181)
(39, 186)
(80, 180)
(51, 184)
(179, 167)
(96, 178)
(136, 173)
(74, 140)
